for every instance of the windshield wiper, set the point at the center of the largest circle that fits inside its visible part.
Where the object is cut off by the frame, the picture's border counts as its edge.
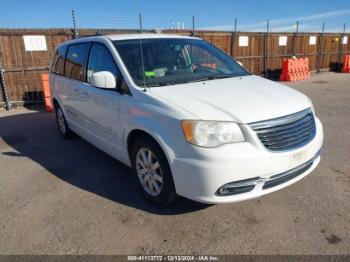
(227, 76)
(156, 84)
(210, 78)
(201, 79)
(165, 84)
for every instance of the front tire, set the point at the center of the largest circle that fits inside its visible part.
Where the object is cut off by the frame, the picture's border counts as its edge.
(152, 173)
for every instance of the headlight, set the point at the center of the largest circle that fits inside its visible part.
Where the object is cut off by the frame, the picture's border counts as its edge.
(211, 133)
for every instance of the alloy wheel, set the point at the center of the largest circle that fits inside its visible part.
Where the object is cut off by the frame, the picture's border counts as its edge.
(149, 171)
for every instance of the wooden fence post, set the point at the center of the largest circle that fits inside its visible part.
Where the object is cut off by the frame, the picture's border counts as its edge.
(340, 52)
(320, 48)
(266, 49)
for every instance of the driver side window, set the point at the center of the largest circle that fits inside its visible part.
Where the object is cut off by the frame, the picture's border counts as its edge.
(201, 57)
(101, 60)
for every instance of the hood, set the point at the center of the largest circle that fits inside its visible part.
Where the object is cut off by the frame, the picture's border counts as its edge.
(242, 99)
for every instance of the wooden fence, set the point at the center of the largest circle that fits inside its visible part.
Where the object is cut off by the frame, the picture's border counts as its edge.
(263, 54)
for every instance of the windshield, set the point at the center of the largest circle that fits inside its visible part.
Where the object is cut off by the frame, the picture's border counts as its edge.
(171, 61)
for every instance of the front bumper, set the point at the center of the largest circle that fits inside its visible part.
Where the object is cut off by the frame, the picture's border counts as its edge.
(199, 178)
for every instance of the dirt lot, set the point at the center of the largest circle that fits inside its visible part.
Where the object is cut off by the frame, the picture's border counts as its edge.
(59, 197)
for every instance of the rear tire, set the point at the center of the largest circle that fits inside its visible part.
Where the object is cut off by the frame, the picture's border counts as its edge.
(62, 125)
(151, 172)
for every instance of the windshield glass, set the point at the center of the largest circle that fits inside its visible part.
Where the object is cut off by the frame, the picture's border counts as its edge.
(171, 61)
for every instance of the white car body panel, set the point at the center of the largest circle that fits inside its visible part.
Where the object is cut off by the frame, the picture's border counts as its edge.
(106, 118)
(242, 99)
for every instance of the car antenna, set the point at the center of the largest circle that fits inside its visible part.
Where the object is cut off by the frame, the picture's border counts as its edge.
(141, 53)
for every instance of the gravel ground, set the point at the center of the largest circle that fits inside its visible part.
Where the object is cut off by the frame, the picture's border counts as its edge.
(59, 197)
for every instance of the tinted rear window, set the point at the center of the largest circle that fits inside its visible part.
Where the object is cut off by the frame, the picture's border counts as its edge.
(75, 60)
(58, 60)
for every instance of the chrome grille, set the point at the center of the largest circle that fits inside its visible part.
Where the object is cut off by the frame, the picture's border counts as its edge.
(288, 132)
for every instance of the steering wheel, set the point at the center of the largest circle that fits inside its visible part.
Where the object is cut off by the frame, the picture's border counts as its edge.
(198, 68)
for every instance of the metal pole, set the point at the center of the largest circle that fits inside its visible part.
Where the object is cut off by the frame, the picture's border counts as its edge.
(140, 23)
(193, 26)
(320, 48)
(266, 49)
(297, 29)
(234, 39)
(294, 38)
(4, 89)
(74, 30)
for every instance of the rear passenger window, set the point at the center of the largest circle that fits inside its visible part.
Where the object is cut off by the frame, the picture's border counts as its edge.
(58, 60)
(76, 57)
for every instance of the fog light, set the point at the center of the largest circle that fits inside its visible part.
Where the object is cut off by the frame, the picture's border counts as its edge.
(239, 187)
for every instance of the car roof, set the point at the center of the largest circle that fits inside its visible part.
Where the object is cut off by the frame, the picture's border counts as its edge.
(118, 37)
(145, 36)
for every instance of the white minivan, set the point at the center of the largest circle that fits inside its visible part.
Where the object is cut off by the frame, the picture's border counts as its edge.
(186, 117)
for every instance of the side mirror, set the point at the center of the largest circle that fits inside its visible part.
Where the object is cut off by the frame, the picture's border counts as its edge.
(240, 63)
(103, 79)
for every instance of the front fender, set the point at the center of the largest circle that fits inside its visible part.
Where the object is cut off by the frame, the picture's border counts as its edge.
(156, 118)
(167, 133)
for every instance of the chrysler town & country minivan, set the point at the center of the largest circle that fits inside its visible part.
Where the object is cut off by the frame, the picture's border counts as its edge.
(188, 119)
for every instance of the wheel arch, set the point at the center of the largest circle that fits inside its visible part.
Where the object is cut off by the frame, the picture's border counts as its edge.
(136, 134)
(55, 102)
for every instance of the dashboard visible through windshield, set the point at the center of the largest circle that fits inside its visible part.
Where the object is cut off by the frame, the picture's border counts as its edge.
(170, 61)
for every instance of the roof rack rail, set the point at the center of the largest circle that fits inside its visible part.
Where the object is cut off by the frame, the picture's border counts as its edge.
(96, 34)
